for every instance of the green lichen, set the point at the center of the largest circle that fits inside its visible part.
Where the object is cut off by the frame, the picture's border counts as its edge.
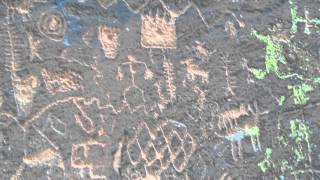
(281, 100)
(258, 73)
(299, 93)
(316, 81)
(254, 131)
(300, 132)
(295, 18)
(274, 56)
(267, 162)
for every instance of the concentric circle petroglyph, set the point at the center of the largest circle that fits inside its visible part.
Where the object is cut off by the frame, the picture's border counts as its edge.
(52, 25)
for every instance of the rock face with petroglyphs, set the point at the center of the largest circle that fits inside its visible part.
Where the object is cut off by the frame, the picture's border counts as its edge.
(159, 89)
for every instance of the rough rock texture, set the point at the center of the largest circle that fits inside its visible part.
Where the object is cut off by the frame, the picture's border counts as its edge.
(159, 89)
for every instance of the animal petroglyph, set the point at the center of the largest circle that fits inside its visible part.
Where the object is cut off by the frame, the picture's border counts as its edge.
(158, 32)
(24, 90)
(81, 159)
(235, 133)
(109, 40)
(168, 144)
(194, 70)
(52, 25)
(61, 81)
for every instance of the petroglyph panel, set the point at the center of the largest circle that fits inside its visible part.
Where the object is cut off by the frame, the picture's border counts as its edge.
(159, 89)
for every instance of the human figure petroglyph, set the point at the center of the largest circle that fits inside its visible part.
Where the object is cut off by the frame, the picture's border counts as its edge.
(194, 70)
(133, 88)
(159, 147)
(109, 40)
(158, 32)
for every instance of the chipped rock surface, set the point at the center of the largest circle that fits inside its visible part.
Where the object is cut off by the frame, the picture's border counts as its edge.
(159, 89)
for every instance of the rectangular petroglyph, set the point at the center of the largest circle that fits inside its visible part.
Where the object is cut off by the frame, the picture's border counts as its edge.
(158, 32)
(109, 40)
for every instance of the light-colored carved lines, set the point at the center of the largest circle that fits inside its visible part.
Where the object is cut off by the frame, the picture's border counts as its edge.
(158, 32)
(133, 88)
(24, 90)
(61, 81)
(229, 119)
(201, 96)
(136, 5)
(109, 40)
(81, 159)
(235, 133)
(168, 144)
(176, 8)
(169, 78)
(52, 25)
(45, 157)
(106, 3)
(194, 70)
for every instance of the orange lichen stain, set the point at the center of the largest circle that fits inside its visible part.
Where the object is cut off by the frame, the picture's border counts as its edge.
(61, 81)
(109, 40)
(43, 157)
(193, 70)
(158, 32)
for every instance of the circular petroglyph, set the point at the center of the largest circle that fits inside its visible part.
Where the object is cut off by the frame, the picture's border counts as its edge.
(52, 25)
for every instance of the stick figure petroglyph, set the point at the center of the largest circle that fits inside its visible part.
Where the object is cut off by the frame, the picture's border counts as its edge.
(133, 88)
